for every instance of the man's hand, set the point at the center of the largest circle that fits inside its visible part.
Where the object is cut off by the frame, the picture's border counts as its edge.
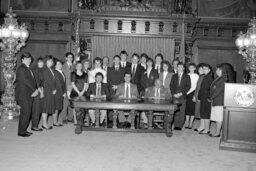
(92, 96)
(68, 94)
(64, 95)
(54, 92)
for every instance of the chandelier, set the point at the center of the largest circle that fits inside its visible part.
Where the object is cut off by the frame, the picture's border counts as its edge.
(246, 44)
(12, 37)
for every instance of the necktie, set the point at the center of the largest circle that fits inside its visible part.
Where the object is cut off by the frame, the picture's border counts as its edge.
(133, 70)
(127, 92)
(116, 68)
(179, 77)
(98, 93)
(158, 90)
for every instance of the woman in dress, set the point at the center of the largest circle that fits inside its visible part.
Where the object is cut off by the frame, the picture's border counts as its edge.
(49, 87)
(195, 98)
(60, 91)
(217, 98)
(205, 104)
(79, 82)
(190, 104)
(37, 103)
(166, 74)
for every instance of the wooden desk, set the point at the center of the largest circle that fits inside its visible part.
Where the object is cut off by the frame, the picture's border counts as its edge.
(149, 105)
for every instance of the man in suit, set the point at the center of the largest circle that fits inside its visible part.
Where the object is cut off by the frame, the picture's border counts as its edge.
(156, 92)
(158, 62)
(126, 90)
(175, 65)
(143, 60)
(136, 70)
(26, 90)
(105, 63)
(124, 63)
(166, 75)
(68, 67)
(98, 90)
(179, 86)
(115, 75)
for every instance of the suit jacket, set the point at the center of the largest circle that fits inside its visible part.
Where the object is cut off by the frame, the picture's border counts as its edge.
(133, 90)
(60, 84)
(115, 77)
(92, 90)
(37, 71)
(167, 80)
(137, 76)
(67, 72)
(184, 86)
(164, 93)
(128, 65)
(204, 91)
(25, 83)
(217, 91)
(148, 81)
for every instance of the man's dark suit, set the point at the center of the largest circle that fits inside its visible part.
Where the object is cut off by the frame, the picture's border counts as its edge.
(92, 89)
(183, 88)
(25, 87)
(136, 77)
(127, 65)
(60, 89)
(115, 77)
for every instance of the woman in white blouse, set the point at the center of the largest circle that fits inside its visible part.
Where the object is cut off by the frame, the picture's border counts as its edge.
(190, 104)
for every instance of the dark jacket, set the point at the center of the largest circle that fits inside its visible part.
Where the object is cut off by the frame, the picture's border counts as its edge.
(204, 91)
(217, 91)
(137, 76)
(148, 81)
(115, 77)
(184, 86)
(60, 84)
(92, 90)
(25, 83)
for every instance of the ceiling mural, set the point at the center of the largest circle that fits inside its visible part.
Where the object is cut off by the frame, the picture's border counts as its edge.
(227, 8)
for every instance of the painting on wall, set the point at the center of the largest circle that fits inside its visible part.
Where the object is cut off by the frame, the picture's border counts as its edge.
(227, 8)
(41, 5)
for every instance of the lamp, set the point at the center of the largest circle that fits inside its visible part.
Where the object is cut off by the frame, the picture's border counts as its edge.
(246, 44)
(12, 37)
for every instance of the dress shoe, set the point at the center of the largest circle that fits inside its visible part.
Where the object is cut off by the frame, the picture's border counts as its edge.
(71, 121)
(29, 133)
(186, 127)
(78, 130)
(50, 127)
(214, 135)
(202, 132)
(177, 129)
(190, 127)
(198, 130)
(57, 125)
(24, 135)
(36, 129)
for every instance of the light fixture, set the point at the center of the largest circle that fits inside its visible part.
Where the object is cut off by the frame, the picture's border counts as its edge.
(246, 43)
(12, 37)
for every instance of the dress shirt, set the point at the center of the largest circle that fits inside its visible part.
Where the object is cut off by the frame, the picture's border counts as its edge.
(129, 87)
(193, 79)
(93, 72)
(157, 92)
(123, 63)
(179, 77)
(134, 67)
(98, 89)
(144, 66)
(158, 67)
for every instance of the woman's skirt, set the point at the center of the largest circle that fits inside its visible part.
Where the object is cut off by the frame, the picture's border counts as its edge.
(190, 105)
(217, 113)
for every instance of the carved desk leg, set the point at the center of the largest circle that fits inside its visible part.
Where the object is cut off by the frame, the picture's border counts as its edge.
(80, 120)
(132, 113)
(168, 123)
(97, 118)
(115, 114)
(150, 120)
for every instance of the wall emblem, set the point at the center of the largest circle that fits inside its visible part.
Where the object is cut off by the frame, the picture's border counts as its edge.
(244, 96)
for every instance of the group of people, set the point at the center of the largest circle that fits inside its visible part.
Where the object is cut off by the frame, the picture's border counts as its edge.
(46, 89)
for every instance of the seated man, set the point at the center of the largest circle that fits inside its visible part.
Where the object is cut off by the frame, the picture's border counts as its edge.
(156, 92)
(98, 90)
(126, 90)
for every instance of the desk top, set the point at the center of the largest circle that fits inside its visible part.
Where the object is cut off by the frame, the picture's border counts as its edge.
(125, 104)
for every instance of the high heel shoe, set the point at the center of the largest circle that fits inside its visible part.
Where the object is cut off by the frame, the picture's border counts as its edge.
(202, 132)
(50, 127)
(214, 135)
(57, 125)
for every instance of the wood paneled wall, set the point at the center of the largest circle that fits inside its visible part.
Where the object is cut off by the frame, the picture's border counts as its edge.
(112, 45)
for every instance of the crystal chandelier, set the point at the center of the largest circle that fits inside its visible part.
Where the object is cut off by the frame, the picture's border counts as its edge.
(246, 44)
(12, 37)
